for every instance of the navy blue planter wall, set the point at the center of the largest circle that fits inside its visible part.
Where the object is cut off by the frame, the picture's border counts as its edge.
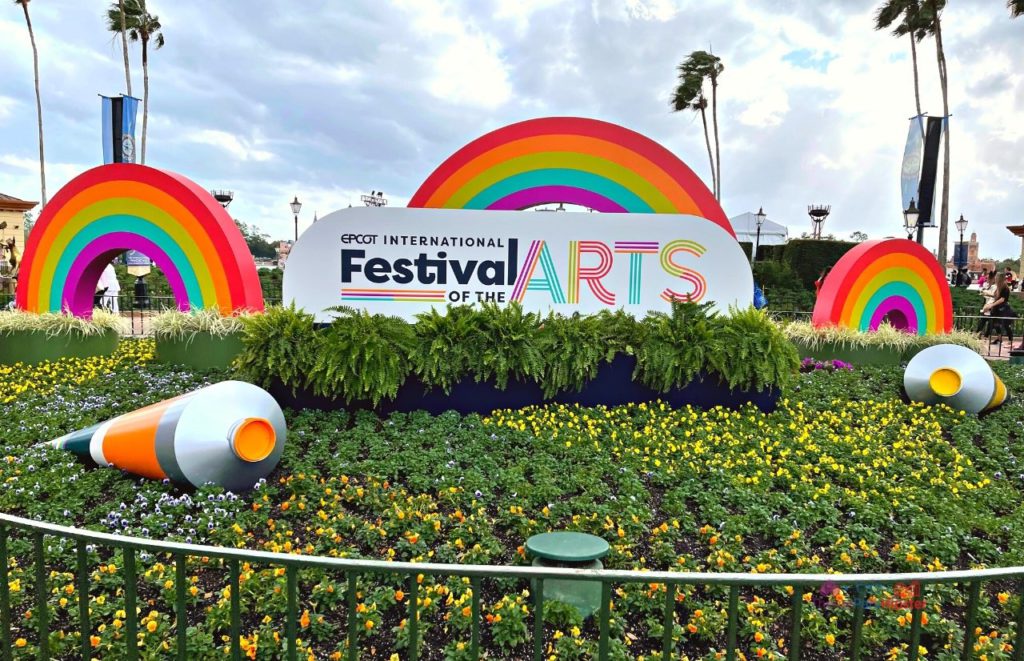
(613, 386)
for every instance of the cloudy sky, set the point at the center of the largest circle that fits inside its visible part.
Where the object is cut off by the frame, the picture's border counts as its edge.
(329, 99)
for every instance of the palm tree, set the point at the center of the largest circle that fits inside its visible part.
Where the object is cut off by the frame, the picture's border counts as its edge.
(116, 22)
(1016, 7)
(142, 27)
(703, 66)
(934, 13)
(39, 102)
(689, 95)
(909, 20)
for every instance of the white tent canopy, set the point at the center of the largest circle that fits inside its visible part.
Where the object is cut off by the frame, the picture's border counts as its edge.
(745, 226)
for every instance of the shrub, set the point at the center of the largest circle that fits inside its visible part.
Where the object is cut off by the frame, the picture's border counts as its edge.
(581, 344)
(362, 356)
(808, 257)
(676, 347)
(442, 353)
(279, 344)
(55, 324)
(752, 352)
(509, 346)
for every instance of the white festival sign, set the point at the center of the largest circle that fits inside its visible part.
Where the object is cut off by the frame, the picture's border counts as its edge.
(403, 262)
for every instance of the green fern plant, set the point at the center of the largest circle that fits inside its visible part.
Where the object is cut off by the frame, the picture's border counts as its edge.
(506, 345)
(574, 347)
(445, 344)
(676, 347)
(279, 344)
(752, 352)
(362, 356)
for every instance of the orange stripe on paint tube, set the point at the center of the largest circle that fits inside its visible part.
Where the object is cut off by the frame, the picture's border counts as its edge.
(130, 441)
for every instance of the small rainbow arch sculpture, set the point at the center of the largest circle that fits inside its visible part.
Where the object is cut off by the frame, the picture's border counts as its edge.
(581, 161)
(112, 208)
(893, 280)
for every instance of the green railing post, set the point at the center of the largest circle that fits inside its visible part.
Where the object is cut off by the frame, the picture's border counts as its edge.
(730, 637)
(131, 627)
(1018, 641)
(796, 615)
(474, 640)
(82, 574)
(668, 621)
(538, 620)
(180, 608)
(5, 599)
(605, 615)
(859, 601)
(41, 595)
(970, 618)
(236, 610)
(353, 622)
(292, 627)
(414, 616)
(917, 602)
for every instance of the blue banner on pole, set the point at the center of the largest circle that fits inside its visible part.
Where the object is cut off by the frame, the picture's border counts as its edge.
(129, 108)
(118, 117)
(910, 177)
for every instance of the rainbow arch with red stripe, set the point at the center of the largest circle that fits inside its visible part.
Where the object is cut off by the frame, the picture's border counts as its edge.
(892, 280)
(581, 161)
(112, 208)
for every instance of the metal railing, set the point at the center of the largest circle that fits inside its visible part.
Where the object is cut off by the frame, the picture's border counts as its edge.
(970, 580)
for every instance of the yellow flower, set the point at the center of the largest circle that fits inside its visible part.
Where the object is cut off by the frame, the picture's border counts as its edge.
(151, 627)
(21, 642)
(830, 639)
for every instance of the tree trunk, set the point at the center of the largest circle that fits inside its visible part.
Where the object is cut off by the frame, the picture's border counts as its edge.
(124, 47)
(917, 84)
(718, 154)
(944, 80)
(39, 105)
(145, 93)
(707, 140)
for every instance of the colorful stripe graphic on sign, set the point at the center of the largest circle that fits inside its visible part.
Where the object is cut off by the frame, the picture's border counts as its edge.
(636, 251)
(893, 280)
(588, 162)
(113, 208)
(538, 254)
(698, 283)
(592, 274)
(396, 295)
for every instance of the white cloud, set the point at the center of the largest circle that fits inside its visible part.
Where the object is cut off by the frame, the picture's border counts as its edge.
(241, 149)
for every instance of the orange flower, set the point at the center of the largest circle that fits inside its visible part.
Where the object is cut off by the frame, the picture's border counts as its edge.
(94, 641)
(467, 611)
(691, 628)
(304, 620)
(399, 595)
(369, 624)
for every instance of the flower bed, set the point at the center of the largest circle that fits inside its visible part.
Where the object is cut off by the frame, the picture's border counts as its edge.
(842, 476)
(35, 338)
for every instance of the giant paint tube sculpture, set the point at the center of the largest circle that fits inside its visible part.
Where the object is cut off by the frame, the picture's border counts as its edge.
(955, 376)
(230, 434)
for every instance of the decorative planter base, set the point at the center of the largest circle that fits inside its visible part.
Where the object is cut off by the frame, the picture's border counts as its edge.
(856, 356)
(200, 351)
(33, 347)
(613, 386)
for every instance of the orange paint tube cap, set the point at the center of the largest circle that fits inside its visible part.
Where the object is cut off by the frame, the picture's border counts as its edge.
(252, 439)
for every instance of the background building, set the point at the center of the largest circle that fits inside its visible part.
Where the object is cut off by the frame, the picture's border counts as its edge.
(12, 228)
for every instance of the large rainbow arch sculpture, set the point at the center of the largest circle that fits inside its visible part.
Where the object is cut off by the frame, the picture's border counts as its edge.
(892, 280)
(588, 162)
(112, 208)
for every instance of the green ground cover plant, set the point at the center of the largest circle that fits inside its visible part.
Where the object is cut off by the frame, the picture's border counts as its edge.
(54, 324)
(843, 476)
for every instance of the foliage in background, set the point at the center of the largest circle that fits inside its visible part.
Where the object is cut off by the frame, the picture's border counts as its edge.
(808, 257)
(582, 343)
(162, 296)
(55, 324)
(279, 345)
(177, 325)
(886, 337)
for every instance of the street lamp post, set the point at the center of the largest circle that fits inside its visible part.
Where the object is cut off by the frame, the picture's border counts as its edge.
(910, 217)
(296, 207)
(759, 219)
(961, 225)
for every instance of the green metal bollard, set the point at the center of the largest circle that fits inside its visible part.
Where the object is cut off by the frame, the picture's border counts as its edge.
(572, 550)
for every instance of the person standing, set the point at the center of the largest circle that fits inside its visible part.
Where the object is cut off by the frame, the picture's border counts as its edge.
(999, 309)
(110, 288)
